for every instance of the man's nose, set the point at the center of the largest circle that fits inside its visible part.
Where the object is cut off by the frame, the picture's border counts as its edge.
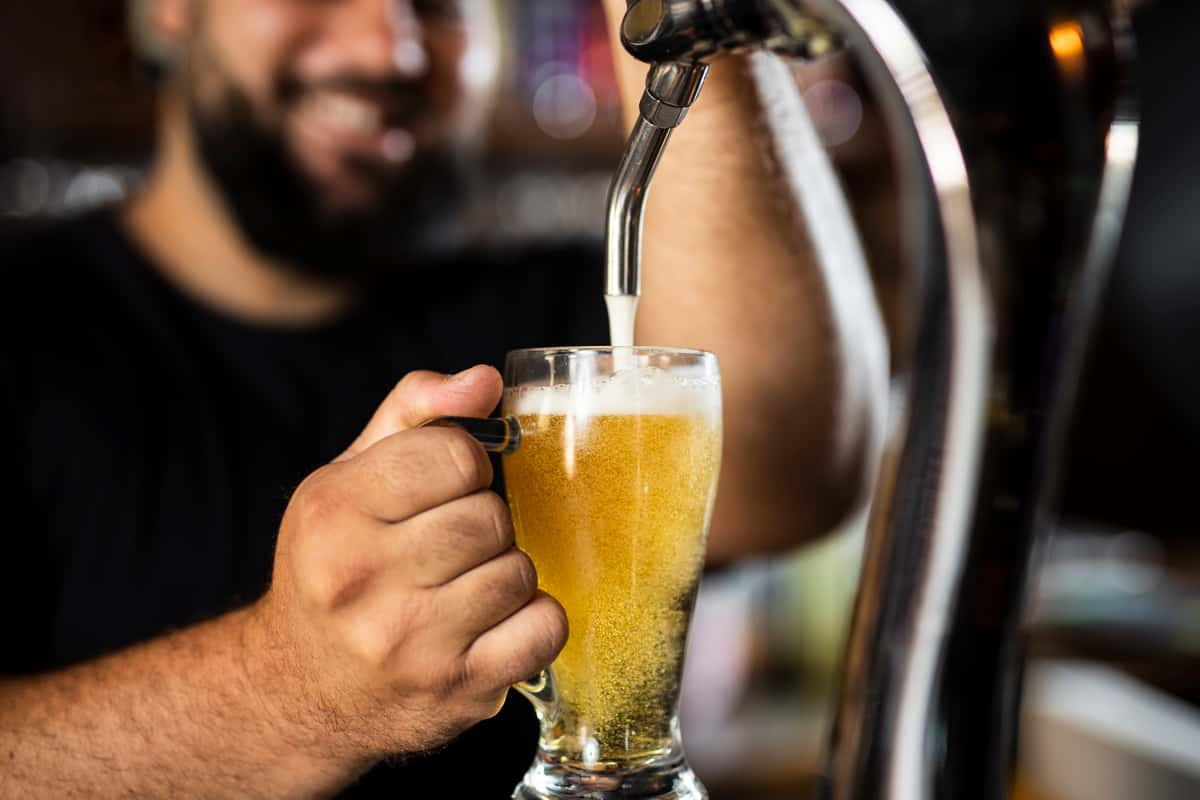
(382, 37)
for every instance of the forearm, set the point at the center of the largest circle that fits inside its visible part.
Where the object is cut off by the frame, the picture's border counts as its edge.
(729, 268)
(187, 715)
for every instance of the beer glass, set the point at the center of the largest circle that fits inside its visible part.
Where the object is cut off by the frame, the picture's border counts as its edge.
(611, 485)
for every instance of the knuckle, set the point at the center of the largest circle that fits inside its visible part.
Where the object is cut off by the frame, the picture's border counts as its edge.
(464, 458)
(494, 514)
(346, 581)
(456, 678)
(396, 466)
(453, 684)
(317, 588)
(318, 501)
(508, 582)
(407, 381)
(549, 631)
(368, 641)
(328, 579)
(540, 638)
(408, 388)
(525, 577)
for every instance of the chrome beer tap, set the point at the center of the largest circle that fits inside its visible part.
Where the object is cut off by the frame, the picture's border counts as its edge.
(678, 39)
(1015, 132)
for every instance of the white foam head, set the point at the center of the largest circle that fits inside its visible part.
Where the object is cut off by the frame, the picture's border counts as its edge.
(640, 390)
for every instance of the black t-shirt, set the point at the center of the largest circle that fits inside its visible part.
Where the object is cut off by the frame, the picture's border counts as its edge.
(149, 444)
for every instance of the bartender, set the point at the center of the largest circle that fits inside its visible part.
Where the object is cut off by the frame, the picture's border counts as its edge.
(231, 565)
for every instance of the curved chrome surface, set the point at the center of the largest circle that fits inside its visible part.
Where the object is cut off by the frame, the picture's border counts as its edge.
(920, 521)
(627, 208)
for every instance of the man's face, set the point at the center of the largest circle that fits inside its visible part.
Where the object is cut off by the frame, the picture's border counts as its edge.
(335, 130)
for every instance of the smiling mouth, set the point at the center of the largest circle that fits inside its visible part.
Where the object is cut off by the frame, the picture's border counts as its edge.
(343, 112)
(354, 125)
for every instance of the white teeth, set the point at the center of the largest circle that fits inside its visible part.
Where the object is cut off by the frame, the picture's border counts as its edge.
(348, 113)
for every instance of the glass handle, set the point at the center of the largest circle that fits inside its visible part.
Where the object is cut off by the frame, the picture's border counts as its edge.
(496, 434)
(540, 691)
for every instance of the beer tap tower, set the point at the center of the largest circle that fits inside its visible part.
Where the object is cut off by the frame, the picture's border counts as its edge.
(1015, 133)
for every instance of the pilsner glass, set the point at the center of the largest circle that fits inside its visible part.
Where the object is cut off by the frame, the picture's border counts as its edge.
(611, 489)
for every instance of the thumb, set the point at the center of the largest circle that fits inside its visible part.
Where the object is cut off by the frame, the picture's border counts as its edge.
(420, 396)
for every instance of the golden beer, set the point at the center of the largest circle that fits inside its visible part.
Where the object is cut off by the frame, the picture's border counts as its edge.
(614, 510)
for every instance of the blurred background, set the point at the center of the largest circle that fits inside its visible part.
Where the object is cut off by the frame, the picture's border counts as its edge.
(1113, 684)
(77, 106)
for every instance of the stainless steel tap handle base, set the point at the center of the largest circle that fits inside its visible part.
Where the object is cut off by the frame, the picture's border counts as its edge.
(657, 31)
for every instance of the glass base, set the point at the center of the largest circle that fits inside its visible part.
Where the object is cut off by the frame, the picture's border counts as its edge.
(667, 779)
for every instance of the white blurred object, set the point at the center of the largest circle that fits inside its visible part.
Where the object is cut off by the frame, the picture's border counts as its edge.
(33, 188)
(564, 106)
(1083, 560)
(91, 188)
(836, 109)
(1093, 733)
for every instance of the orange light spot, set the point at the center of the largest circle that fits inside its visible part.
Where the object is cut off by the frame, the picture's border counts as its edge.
(1066, 40)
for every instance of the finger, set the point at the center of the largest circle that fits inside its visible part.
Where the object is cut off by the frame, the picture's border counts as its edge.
(454, 538)
(421, 396)
(413, 471)
(520, 646)
(492, 592)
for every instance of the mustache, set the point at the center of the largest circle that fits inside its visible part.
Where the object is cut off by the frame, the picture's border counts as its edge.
(401, 100)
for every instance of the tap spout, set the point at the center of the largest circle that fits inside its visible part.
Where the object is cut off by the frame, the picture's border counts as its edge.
(671, 89)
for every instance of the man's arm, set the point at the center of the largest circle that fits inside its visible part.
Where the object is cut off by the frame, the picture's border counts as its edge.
(399, 613)
(729, 268)
(181, 716)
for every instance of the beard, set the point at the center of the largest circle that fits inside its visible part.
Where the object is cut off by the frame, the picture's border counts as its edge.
(413, 218)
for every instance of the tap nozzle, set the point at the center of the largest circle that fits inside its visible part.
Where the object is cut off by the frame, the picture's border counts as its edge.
(671, 89)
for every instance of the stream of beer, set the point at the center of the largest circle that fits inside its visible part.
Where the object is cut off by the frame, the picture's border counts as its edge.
(622, 311)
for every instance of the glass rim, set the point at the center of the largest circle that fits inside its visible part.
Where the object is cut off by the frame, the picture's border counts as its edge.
(634, 349)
